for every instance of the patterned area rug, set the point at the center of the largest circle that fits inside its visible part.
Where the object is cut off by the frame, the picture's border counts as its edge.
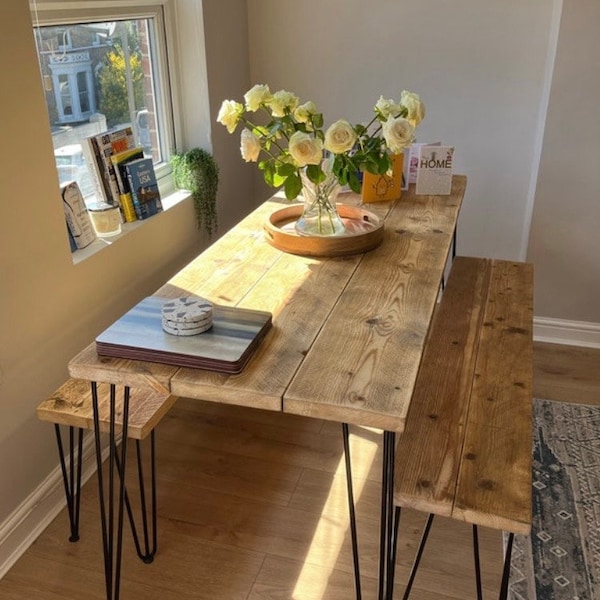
(561, 558)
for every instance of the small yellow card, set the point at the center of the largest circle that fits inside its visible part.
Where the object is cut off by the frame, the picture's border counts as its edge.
(380, 188)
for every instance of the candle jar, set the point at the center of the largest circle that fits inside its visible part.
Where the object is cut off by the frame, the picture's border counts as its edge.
(106, 219)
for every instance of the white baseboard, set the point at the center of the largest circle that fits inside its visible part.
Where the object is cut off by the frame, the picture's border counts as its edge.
(28, 521)
(572, 333)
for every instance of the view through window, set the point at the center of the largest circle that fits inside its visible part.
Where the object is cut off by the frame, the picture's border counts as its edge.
(99, 77)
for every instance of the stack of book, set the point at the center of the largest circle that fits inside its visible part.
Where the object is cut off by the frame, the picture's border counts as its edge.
(121, 174)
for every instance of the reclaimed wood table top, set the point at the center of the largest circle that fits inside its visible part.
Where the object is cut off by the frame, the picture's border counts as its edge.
(348, 332)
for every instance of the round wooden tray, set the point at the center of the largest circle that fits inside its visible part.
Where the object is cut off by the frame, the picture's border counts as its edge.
(364, 231)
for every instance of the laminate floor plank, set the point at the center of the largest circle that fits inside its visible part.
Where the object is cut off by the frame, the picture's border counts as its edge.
(252, 506)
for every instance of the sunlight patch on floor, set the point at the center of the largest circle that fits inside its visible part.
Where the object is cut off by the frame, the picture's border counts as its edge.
(334, 523)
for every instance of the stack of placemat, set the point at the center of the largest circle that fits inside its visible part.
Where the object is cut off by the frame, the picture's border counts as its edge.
(164, 330)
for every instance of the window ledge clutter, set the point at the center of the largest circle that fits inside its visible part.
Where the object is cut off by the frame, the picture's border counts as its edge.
(287, 140)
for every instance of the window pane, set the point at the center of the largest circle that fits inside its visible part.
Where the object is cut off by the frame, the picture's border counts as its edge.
(97, 77)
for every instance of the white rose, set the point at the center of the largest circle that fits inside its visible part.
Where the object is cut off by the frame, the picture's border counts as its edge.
(229, 114)
(259, 94)
(305, 149)
(282, 100)
(414, 106)
(398, 133)
(303, 113)
(388, 108)
(250, 146)
(340, 137)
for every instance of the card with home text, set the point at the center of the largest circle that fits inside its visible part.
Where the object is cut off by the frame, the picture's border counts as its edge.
(434, 170)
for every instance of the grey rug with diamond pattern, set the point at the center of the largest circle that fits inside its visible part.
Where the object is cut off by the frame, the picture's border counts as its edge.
(561, 558)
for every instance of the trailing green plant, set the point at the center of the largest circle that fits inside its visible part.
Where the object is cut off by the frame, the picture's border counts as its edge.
(197, 171)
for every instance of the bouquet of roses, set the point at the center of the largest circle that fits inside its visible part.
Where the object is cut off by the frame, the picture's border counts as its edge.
(289, 139)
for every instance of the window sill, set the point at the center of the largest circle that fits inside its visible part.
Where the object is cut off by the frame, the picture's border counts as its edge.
(101, 243)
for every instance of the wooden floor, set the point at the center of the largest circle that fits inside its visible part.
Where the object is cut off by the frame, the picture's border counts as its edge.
(252, 506)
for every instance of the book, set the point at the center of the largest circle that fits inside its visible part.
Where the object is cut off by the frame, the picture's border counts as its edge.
(143, 187)
(119, 160)
(102, 147)
(76, 214)
(94, 170)
(434, 174)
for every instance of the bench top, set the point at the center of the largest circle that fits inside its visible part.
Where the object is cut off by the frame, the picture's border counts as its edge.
(71, 405)
(466, 449)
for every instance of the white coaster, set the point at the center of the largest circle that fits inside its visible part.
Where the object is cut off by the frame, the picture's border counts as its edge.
(176, 330)
(188, 309)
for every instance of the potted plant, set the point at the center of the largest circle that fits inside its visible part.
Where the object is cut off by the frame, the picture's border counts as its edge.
(197, 171)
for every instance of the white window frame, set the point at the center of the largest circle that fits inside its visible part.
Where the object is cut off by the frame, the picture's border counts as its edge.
(58, 12)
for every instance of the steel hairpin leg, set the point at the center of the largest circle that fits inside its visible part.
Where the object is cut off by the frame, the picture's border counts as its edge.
(477, 564)
(351, 510)
(388, 518)
(147, 555)
(112, 541)
(506, 571)
(72, 480)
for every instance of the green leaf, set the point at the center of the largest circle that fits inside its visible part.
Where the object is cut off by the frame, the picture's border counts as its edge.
(354, 182)
(315, 173)
(286, 169)
(293, 186)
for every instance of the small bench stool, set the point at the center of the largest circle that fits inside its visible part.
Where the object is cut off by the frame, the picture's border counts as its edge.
(72, 405)
(466, 450)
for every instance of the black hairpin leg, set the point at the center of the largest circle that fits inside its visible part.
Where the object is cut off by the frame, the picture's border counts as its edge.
(112, 533)
(477, 563)
(388, 518)
(506, 570)
(72, 479)
(418, 556)
(351, 510)
(147, 554)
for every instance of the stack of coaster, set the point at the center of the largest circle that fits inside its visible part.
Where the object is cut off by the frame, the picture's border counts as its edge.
(189, 315)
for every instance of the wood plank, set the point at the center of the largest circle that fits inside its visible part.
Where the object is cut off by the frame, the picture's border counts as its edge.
(494, 486)
(566, 373)
(71, 405)
(433, 438)
(299, 292)
(121, 371)
(370, 346)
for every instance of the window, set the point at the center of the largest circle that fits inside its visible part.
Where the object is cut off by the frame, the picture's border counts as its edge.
(102, 69)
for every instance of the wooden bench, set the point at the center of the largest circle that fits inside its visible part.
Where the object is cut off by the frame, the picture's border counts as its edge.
(466, 450)
(72, 405)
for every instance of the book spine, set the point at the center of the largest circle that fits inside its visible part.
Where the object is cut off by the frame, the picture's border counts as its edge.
(109, 144)
(126, 204)
(94, 166)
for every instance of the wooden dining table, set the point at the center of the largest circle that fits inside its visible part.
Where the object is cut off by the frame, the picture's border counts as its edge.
(347, 332)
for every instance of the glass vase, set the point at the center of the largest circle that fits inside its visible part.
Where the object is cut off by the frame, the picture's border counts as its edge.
(320, 216)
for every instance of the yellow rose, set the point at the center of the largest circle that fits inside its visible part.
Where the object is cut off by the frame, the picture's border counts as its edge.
(303, 113)
(229, 114)
(305, 149)
(340, 137)
(259, 94)
(414, 106)
(388, 108)
(282, 100)
(250, 146)
(398, 133)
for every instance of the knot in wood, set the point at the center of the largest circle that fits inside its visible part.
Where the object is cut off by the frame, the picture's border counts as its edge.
(487, 484)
